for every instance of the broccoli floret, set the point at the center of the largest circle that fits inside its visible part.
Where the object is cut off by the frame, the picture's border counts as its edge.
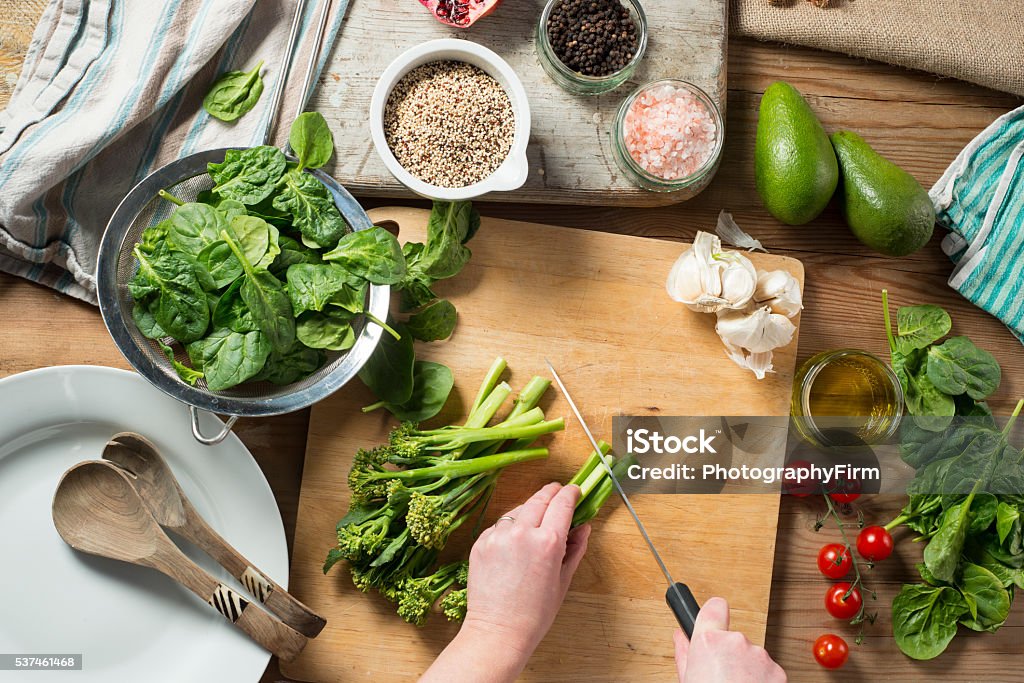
(362, 533)
(417, 595)
(454, 605)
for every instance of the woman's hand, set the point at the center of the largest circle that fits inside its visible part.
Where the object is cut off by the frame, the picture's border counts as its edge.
(717, 655)
(519, 573)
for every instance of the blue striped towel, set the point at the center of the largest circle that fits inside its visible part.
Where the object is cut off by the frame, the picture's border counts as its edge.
(980, 200)
(112, 90)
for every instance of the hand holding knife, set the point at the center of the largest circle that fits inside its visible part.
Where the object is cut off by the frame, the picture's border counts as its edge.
(684, 605)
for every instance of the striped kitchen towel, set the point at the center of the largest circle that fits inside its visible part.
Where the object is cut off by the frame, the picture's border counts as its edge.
(980, 200)
(112, 90)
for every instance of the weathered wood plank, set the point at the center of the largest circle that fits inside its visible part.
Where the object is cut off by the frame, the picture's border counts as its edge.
(570, 154)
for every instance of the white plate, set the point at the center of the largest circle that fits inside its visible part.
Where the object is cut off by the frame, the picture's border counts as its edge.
(128, 622)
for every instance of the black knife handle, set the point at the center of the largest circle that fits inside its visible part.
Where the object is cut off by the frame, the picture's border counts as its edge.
(683, 605)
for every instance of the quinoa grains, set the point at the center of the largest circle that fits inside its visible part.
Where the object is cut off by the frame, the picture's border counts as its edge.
(449, 123)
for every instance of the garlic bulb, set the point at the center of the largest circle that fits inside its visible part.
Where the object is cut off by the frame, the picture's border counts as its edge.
(779, 291)
(709, 280)
(757, 331)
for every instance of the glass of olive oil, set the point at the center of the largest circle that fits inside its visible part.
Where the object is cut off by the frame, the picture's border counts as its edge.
(847, 392)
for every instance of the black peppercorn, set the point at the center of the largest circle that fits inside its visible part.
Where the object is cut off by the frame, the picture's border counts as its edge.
(593, 37)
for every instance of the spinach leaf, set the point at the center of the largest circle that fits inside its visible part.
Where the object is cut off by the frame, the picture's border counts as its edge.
(389, 371)
(331, 330)
(195, 226)
(311, 140)
(186, 373)
(248, 176)
(266, 298)
(180, 308)
(312, 286)
(228, 358)
(252, 236)
(432, 383)
(153, 236)
(312, 209)
(1007, 516)
(220, 263)
(296, 363)
(232, 313)
(957, 366)
(450, 225)
(942, 555)
(983, 513)
(146, 321)
(292, 252)
(986, 598)
(234, 94)
(433, 323)
(372, 254)
(924, 619)
(919, 326)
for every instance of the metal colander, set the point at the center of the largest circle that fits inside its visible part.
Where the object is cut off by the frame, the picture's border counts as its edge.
(117, 265)
(142, 208)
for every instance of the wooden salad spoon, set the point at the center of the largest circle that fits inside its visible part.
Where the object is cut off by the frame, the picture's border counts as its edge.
(159, 489)
(97, 510)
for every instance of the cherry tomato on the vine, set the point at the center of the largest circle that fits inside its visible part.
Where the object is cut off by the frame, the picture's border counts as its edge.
(834, 560)
(831, 651)
(845, 490)
(843, 607)
(874, 543)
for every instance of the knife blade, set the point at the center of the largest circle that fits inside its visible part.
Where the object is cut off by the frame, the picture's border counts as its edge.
(678, 596)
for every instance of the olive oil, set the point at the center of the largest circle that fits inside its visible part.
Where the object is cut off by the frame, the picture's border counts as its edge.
(850, 390)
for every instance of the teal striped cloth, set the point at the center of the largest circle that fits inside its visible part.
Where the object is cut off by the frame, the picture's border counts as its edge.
(980, 200)
(110, 91)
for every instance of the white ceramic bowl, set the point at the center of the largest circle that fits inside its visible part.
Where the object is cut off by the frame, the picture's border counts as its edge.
(512, 172)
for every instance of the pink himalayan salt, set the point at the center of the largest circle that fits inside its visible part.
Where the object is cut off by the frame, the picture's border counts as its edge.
(669, 132)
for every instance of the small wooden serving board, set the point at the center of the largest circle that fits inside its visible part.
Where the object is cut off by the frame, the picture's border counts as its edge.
(570, 146)
(595, 304)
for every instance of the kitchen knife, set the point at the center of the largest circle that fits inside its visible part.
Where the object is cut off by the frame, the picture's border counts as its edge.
(679, 598)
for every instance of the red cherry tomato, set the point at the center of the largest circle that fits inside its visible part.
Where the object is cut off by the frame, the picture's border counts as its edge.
(834, 560)
(795, 487)
(831, 651)
(845, 490)
(839, 607)
(874, 543)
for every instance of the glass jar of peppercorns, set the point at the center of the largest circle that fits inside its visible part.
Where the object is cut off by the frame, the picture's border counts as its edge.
(591, 46)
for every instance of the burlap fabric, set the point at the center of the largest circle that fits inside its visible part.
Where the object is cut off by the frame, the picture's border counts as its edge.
(980, 41)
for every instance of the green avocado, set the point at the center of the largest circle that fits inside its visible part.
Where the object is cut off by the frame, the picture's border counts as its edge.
(794, 166)
(885, 207)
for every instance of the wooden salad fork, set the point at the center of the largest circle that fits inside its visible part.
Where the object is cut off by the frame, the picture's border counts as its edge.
(159, 489)
(97, 510)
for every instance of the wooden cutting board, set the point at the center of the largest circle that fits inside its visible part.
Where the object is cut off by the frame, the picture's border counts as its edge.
(595, 304)
(570, 145)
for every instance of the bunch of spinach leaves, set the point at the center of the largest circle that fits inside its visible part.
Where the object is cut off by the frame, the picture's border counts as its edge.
(261, 276)
(966, 500)
(410, 389)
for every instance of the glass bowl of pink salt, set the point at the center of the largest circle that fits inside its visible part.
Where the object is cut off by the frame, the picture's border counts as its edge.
(668, 137)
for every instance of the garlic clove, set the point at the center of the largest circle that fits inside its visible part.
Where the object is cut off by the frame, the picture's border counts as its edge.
(709, 280)
(780, 291)
(758, 363)
(757, 331)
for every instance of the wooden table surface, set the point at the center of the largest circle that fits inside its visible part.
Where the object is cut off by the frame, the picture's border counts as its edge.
(917, 121)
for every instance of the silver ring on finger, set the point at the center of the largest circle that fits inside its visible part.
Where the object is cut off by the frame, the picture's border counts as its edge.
(505, 518)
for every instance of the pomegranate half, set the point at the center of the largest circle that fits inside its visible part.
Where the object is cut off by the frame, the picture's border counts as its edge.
(461, 13)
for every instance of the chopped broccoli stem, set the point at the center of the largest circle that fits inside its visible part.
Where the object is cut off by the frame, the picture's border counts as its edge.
(486, 410)
(441, 439)
(590, 506)
(487, 386)
(588, 476)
